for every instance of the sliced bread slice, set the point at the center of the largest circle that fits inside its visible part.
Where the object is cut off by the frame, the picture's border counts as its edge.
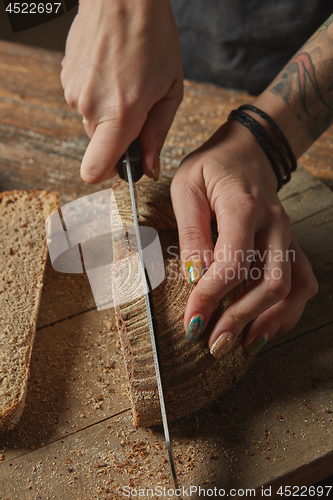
(23, 252)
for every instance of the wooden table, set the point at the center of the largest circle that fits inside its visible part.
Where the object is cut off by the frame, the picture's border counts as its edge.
(75, 438)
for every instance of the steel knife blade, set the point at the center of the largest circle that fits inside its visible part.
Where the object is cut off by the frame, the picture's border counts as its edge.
(131, 171)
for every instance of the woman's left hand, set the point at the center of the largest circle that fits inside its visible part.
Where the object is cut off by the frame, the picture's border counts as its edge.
(230, 178)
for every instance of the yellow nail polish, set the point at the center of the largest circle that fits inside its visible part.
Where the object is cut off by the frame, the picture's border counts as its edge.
(188, 271)
(194, 271)
(222, 345)
(157, 168)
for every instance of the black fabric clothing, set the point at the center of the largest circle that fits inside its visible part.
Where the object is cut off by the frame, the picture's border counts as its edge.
(243, 44)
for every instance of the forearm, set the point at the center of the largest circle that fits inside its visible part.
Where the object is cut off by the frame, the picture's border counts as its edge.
(300, 98)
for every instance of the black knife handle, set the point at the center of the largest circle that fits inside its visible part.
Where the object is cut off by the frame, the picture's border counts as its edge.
(134, 153)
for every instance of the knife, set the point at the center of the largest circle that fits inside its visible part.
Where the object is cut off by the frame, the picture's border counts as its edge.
(130, 169)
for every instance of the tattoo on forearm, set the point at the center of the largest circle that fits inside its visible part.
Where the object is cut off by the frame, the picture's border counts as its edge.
(304, 70)
(322, 28)
(306, 82)
(308, 90)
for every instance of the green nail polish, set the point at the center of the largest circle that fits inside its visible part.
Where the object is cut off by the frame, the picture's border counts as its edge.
(195, 327)
(257, 344)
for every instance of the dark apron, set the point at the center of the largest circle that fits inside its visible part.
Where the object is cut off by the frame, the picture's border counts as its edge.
(243, 44)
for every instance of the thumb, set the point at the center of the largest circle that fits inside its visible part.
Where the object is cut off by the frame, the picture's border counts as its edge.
(108, 144)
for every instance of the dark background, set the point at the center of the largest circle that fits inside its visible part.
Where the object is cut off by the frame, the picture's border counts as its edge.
(51, 35)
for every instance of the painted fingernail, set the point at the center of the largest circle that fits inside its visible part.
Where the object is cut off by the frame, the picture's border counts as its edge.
(157, 168)
(257, 344)
(194, 329)
(222, 345)
(194, 270)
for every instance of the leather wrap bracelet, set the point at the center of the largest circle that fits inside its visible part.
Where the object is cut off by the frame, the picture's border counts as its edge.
(274, 143)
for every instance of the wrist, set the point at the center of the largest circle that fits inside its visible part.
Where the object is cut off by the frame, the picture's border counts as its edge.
(271, 139)
(242, 145)
(286, 119)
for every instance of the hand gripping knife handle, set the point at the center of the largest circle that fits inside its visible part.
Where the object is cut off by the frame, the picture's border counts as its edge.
(134, 153)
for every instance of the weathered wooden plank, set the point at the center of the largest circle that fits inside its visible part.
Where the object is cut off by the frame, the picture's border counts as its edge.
(30, 70)
(314, 231)
(93, 463)
(318, 311)
(313, 222)
(304, 205)
(300, 182)
(64, 295)
(52, 118)
(43, 166)
(77, 378)
(261, 432)
(318, 159)
(317, 240)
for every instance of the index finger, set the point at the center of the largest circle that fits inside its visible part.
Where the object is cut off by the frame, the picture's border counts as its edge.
(233, 254)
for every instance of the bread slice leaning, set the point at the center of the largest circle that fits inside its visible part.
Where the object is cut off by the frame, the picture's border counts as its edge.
(23, 252)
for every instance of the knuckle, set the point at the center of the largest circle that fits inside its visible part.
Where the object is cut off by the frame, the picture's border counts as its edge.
(249, 204)
(280, 214)
(275, 324)
(223, 275)
(159, 134)
(234, 268)
(278, 289)
(314, 287)
(90, 97)
(70, 96)
(240, 320)
(85, 104)
(63, 76)
(180, 92)
(311, 287)
(244, 206)
(180, 98)
(307, 283)
(183, 189)
(120, 112)
(189, 237)
(288, 326)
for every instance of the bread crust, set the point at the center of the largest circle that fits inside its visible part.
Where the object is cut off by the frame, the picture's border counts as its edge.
(11, 414)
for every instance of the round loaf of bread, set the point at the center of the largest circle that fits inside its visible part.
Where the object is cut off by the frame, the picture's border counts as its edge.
(191, 376)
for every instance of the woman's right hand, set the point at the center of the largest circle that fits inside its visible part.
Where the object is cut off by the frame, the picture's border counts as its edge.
(122, 72)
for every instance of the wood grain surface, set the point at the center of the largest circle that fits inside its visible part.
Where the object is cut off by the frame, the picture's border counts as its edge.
(76, 439)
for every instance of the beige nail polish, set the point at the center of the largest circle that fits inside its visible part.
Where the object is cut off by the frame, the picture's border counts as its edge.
(157, 168)
(222, 345)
